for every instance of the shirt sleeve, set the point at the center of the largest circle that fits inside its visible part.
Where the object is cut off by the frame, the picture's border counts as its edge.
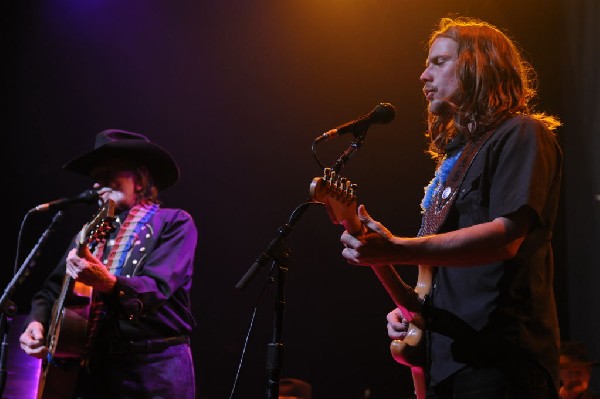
(525, 169)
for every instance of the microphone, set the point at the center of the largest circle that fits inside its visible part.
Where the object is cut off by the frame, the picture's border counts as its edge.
(383, 113)
(86, 197)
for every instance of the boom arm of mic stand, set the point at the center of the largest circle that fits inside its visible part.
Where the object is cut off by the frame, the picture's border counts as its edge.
(271, 253)
(6, 304)
(275, 250)
(8, 308)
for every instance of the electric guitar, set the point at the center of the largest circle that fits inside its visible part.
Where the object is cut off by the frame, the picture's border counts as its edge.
(339, 197)
(74, 317)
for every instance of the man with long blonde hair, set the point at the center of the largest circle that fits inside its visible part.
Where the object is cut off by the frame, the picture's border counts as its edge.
(489, 313)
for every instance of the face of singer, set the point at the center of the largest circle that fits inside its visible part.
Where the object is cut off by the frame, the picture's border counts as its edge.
(440, 81)
(117, 181)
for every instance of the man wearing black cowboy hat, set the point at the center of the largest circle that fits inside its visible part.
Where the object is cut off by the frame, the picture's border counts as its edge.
(140, 274)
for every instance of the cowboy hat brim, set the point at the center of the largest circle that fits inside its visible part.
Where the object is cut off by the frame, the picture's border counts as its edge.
(159, 162)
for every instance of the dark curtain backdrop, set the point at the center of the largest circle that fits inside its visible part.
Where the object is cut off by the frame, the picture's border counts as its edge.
(237, 91)
(581, 110)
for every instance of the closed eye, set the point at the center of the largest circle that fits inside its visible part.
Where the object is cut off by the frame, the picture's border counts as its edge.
(438, 61)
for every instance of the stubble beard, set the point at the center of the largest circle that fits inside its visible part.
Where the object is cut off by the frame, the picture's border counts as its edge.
(441, 107)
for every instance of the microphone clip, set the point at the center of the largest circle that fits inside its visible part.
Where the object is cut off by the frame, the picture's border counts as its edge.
(352, 148)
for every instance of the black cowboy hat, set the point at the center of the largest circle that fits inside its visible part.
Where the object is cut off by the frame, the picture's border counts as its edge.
(113, 143)
(573, 353)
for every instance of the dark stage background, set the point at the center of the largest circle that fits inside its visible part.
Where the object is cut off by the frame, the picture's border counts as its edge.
(237, 91)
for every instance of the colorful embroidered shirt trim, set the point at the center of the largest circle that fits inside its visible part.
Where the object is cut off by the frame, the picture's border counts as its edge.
(128, 233)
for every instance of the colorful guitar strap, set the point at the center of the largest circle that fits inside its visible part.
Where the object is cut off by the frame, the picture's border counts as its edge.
(442, 191)
(127, 235)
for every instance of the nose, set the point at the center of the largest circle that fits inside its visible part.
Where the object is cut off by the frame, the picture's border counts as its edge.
(425, 76)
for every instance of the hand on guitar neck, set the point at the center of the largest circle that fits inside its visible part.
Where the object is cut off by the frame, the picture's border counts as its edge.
(87, 269)
(367, 242)
(370, 245)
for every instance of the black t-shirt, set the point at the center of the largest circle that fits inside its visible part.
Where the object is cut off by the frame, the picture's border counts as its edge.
(506, 310)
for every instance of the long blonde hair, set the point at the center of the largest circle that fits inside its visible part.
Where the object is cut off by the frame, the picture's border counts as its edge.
(495, 83)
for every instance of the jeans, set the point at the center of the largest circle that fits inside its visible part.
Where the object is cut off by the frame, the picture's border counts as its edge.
(164, 375)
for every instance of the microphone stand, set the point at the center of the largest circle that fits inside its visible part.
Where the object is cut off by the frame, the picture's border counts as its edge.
(7, 307)
(280, 255)
(278, 252)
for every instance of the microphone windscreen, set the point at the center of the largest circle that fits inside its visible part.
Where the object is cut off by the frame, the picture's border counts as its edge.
(89, 196)
(383, 113)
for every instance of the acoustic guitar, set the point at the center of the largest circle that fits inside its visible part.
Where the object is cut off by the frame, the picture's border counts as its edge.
(74, 317)
(338, 195)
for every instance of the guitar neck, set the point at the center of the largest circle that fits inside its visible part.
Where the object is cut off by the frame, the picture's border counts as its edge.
(403, 295)
(338, 196)
(59, 305)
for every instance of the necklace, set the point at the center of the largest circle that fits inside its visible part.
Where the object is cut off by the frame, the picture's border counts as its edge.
(441, 174)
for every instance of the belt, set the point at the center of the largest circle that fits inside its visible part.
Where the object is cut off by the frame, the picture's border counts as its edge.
(146, 345)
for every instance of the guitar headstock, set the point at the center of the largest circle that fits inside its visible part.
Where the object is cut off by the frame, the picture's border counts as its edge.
(99, 227)
(338, 195)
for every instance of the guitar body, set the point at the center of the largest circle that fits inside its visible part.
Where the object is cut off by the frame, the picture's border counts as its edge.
(58, 380)
(74, 317)
(68, 337)
(337, 194)
(411, 351)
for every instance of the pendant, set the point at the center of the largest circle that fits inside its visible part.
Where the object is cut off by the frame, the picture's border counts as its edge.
(446, 192)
